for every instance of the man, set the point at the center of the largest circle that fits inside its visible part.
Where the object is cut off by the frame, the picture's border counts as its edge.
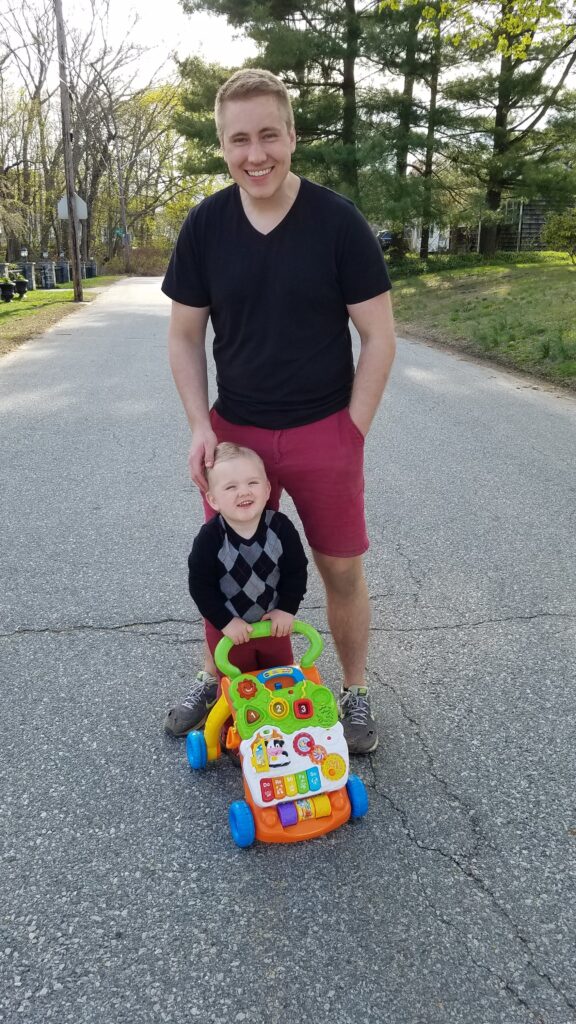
(280, 265)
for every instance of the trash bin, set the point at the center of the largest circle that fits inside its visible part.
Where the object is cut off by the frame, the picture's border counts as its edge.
(64, 268)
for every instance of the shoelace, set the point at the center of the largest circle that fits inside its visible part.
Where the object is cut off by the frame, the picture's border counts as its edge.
(196, 694)
(356, 709)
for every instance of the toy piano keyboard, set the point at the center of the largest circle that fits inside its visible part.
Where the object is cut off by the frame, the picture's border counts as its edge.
(294, 756)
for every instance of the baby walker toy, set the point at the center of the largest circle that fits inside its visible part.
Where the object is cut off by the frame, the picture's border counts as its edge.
(291, 745)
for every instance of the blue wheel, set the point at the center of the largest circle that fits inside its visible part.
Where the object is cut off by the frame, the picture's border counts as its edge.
(358, 796)
(241, 821)
(196, 750)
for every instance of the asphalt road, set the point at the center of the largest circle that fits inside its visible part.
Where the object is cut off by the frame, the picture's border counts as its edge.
(123, 899)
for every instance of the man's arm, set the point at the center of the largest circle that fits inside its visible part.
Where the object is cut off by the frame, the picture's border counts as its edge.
(375, 324)
(187, 353)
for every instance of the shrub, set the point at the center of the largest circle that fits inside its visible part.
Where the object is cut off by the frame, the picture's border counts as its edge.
(146, 261)
(437, 263)
(560, 232)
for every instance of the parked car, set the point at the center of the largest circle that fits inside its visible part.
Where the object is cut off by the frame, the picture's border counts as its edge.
(385, 239)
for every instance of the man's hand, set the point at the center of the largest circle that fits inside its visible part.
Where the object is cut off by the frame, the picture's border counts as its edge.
(375, 324)
(281, 622)
(201, 456)
(238, 631)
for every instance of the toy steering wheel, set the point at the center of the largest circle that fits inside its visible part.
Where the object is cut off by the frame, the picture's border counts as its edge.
(262, 629)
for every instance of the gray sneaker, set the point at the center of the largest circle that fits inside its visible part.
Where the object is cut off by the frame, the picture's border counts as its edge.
(193, 711)
(359, 727)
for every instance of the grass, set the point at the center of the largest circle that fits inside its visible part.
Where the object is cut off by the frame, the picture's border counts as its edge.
(91, 282)
(22, 319)
(522, 316)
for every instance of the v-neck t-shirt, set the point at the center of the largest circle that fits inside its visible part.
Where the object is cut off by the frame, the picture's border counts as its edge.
(282, 343)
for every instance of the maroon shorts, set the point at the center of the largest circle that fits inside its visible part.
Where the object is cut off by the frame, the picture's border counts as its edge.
(266, 652)
(321, 467)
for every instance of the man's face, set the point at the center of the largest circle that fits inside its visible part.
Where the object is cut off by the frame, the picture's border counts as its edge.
(257, 144)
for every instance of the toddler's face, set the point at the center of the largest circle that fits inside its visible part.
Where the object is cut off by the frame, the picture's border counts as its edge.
(238, 489)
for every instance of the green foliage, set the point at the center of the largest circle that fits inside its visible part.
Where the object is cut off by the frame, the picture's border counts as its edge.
(413, 266)
(497, 311)
(194, 119)
(486, 138)
(145, 261)
(312, 50)
(560, 232)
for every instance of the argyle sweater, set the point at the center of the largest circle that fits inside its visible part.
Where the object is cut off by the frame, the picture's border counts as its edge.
(230, 576)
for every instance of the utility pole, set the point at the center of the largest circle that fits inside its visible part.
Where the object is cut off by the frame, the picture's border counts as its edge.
(74, 226)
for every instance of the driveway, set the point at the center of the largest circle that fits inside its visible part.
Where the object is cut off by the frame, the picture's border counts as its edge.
(123, 898)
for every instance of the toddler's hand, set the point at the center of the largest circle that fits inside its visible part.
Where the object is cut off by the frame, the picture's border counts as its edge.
(238, 631)
(281, 622)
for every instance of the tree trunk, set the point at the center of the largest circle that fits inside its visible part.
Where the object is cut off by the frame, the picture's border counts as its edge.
(430, 138)
(399, 246)
(500, 145)
(406, 103)
(488, 242)
(349, 114)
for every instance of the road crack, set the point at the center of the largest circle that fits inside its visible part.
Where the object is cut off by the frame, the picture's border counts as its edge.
(466, 867)
(475, 624)
(471, 815)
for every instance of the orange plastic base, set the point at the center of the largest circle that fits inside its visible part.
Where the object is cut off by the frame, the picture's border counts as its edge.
(269, 829)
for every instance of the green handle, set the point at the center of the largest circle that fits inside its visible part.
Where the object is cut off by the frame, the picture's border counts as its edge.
(260, 629)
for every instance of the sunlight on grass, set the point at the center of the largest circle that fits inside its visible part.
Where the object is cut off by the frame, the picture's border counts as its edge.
(91, 282)
(40, 309)
(523, 316)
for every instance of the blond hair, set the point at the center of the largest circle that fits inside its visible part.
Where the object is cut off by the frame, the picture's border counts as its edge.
(248, 82)
(226, 451)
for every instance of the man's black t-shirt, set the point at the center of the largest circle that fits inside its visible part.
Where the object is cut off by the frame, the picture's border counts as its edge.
(278, 301)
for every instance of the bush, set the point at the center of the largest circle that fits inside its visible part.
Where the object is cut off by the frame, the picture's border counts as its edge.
(412, 265)
(146, 261)
(560, 232)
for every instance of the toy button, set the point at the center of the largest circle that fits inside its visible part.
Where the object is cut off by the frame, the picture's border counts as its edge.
(279, 707)
(318, 754)
(302, 782)
(247, 688)
(288, 814)
(279, 789)
(291, 785)
(314, 780)
(305, 810)
(303, 743)
(267, 790)
(327, 717)
(334, 766)
(303, 708)
(252, 715)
